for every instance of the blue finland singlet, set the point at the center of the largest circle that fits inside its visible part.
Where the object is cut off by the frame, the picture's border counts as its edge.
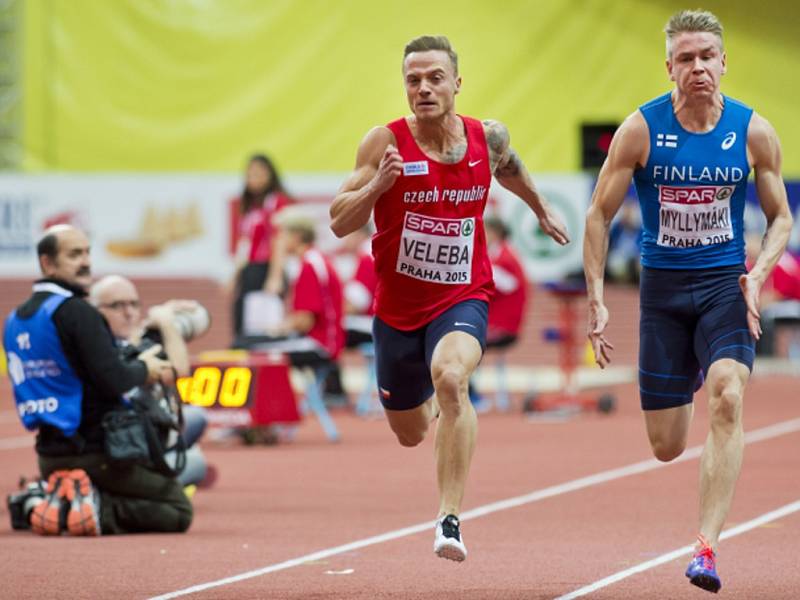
(692, 189)
(46, 389)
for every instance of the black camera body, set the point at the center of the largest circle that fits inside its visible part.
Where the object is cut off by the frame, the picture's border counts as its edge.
(150, 338)
(151, 424)
(159, 402)
(22, 502)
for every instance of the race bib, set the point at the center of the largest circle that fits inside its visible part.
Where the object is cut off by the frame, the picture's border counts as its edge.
(436, 250)
(694, 215)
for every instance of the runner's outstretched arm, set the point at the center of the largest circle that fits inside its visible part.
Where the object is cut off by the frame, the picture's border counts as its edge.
(511, 173)
(629, 149)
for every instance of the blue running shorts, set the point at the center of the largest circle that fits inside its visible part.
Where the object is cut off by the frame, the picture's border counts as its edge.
(688, 320)
(403, 358)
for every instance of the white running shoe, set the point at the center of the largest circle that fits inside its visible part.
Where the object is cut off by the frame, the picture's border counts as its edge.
(448, 543)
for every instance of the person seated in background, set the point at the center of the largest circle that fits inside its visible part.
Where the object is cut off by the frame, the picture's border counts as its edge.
(624, 244)
(263, 197)
(780, 294)
(117, 299)
(307, 327)
(359, 291)
(67, 376)
(507, 306)
(311, 330)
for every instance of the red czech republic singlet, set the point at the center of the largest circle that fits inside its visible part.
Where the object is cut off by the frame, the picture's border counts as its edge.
(430, 245)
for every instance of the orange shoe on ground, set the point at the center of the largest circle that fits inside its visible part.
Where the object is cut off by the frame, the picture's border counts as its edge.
(48, 517)
(83, 499)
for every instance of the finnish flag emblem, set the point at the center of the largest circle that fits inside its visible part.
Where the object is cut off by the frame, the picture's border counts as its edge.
(668, 140)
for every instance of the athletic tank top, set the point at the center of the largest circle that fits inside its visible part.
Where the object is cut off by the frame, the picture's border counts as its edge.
(692, 189)
(430, 246)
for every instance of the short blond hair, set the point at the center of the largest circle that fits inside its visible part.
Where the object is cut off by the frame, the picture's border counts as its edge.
(295, 219)
(689, 21)
(424, 43)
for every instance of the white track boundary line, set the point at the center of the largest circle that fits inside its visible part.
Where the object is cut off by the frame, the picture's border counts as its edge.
(685, 550)
(756, 435)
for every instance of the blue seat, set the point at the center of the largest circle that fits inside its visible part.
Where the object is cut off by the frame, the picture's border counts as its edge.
(315, 386)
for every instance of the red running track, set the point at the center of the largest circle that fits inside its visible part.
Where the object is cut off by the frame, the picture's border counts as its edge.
(272, 505)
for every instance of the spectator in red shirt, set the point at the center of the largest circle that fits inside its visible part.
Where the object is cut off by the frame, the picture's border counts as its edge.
(507, 307)
(786, 277)
(312, 327)
(780, 294)
(359, 292)
(263, 197)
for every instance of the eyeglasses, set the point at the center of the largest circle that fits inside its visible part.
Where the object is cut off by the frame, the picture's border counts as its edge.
(122, 304)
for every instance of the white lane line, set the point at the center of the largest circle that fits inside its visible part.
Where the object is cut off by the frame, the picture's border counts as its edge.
(756, 435)
(685, 550)
(12, 443)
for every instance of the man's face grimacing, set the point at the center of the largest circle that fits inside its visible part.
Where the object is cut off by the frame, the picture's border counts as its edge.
(431, 83)
(696, 63)
(71, 263)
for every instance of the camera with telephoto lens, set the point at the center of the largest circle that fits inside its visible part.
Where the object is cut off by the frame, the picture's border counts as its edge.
(192, 322)
(161, 403)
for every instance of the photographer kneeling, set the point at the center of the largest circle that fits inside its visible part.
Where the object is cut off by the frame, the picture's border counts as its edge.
(171, 324)
(67, 376)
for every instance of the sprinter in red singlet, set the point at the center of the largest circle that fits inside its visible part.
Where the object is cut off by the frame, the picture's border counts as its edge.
(427, 178)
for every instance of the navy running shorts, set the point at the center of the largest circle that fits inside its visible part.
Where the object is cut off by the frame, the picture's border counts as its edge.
(688, 319)
(403, 358)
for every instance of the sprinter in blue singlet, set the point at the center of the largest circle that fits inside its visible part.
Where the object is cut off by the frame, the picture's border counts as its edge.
(689, 153)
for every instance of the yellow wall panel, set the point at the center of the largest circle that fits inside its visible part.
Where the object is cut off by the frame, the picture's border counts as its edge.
(199, 84)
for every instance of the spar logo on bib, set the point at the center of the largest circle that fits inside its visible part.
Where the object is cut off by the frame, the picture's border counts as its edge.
(436, 250)
(446, 227)
(694, 215)
(701, 194)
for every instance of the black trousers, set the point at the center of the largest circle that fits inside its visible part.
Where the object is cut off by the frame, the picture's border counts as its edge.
(133, 499)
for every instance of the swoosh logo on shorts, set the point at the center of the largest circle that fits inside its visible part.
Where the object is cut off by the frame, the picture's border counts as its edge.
(472, 163)
(460, 324)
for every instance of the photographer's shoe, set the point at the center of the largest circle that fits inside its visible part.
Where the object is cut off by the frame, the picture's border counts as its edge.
(83, 517)
(48, 516)
(448, 543)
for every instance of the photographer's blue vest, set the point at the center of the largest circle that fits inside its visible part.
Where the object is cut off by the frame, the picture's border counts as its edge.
(46, 389)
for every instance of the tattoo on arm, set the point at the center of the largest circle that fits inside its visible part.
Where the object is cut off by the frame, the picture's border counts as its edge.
(510, 167)
(497, 140)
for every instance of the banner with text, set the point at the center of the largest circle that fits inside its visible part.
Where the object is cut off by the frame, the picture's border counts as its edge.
(178, 225)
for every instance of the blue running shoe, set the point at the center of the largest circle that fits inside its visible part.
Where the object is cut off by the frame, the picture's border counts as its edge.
(702, 571)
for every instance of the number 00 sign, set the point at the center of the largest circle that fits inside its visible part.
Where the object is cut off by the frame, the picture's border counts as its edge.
(208, 386)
